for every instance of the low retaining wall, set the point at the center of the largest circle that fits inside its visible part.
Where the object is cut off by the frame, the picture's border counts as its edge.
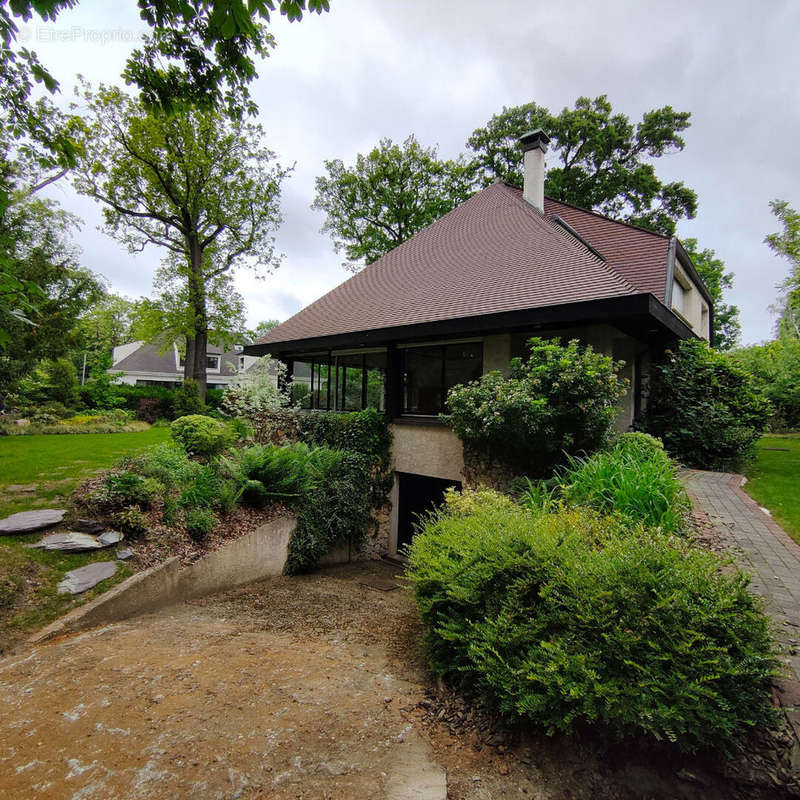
(260, 554)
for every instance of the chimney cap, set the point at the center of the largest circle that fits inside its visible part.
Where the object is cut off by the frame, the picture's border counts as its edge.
(533, 139)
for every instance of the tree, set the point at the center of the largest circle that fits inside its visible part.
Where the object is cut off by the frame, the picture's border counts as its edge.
(43, 289)
(786, 243)
(727, 328)
(198, 53)
(107, 324)
(386, 197)
(199, 184)
(170, 317)
(602, 160)
(263, 328)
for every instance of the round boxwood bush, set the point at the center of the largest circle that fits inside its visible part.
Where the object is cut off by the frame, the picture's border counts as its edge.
(571, 618)
(201, 435)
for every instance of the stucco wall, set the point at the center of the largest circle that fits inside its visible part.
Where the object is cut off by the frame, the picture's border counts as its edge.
(432, 450)
(695, 308)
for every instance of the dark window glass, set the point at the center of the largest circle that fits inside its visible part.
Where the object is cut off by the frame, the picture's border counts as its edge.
(349, 382)
(301, 383)
(319, 393)
(375, 364)
(429, 373)
(212, 362)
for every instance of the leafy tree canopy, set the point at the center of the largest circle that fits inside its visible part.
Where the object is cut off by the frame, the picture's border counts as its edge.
(198, 53)
(199, 184)
(786, 243)
(387, 196)
(727, 328)
(603, 161)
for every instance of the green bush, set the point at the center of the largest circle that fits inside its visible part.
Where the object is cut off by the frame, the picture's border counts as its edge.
(336, 509)
(642, 487)
(214, 398)
(128, 488)
(63, 382)
(775, 368)
(706, 409)
(131, 520)
(167, 463)
(199, 522)
(563, 399)
(201, 435)
(187, 399)
(202, 490)
(571, 618)
(642, 444)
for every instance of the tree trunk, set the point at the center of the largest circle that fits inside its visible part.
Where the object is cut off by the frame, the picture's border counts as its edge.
(188, 359)
(197, 298)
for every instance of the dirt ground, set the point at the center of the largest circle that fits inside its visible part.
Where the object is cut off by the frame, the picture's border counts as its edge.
(311, 687)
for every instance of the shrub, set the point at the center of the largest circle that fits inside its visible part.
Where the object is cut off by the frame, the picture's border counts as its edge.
(563, 399)
(187, 399)
(214, 399)
(167, 463)
(257, 390)
(567, 618)
(161, 400)
(641, 444)
(131, 520)
(336, 508)
(101, 391)
(203, 489)
(63, 381)
(199, 522)
(128, 488)
(643, 487)
(775, 368)
(201, 435)
(705, 408)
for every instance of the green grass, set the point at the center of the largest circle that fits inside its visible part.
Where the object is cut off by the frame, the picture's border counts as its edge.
(49, 468)
(774, 480)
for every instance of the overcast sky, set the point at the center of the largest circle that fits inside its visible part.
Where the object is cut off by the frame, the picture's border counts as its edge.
(337, 83)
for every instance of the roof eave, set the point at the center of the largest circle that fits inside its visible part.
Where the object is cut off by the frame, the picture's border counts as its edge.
(604, 310)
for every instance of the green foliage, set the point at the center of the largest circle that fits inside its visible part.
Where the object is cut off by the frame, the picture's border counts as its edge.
(387, 196)
(562, 400)
(128, 489)
(187, 399)
(199, 522)
(63, 381)
(786, 243)
(202, 490)
(168, 463)
(726, 326)
(201, 435)
(631, 480)
(705, 408)
(597, 159)
(637, 443)
(337, 509)
(131, 520)
(775, 368)
(570, 618)
(256, 391)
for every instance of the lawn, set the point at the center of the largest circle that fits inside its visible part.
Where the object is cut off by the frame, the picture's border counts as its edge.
(773, 480)
(39, 472)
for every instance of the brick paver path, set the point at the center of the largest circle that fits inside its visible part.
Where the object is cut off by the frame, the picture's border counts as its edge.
(759, 545)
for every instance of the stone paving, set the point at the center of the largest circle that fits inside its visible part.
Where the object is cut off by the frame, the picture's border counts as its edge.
(760, 546)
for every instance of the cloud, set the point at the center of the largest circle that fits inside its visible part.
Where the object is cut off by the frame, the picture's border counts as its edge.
(338, 82)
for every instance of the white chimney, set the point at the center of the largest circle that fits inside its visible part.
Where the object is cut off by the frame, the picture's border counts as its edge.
(534, 146)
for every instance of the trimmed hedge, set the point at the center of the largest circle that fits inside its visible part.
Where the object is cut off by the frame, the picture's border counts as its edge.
(571, 618)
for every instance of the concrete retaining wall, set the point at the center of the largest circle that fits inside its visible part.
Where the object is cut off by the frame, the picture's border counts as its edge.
(260, 554)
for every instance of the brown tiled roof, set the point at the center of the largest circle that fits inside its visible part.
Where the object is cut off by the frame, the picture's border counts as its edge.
(147, 358)
(492, 254)
(637, 255)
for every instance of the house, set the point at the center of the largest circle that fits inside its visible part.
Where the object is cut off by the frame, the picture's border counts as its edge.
(463, 296)
(143, 364)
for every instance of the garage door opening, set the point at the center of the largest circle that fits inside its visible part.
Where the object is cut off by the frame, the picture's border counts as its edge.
(417, 495)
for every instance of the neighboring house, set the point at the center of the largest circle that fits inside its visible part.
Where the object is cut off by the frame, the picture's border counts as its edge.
(463, 296)
(143, 364)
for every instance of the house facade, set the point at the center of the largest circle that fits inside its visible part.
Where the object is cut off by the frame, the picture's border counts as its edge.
(463, 297)
(143, 364)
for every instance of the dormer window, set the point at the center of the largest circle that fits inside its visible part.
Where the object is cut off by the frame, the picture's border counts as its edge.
(212, 362)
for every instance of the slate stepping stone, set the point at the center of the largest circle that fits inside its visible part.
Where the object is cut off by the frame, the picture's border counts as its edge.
(29, 521)
(124, 554)
(70, 542)
(110, 537)
(83, 578)
(88, 526)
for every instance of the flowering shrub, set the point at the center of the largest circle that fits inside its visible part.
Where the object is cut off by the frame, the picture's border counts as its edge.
(256, 390)
(562, 400)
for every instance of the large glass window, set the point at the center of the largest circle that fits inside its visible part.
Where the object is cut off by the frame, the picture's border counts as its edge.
(348, 382)
(430, 372)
